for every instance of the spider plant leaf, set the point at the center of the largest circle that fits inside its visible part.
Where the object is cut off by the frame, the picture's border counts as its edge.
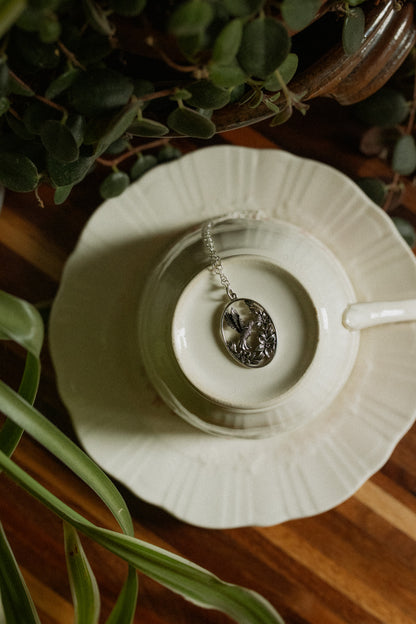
(191, 581)
(47, 434)
(22, 323)
(125, 607)
(16, 601)
(84, 588)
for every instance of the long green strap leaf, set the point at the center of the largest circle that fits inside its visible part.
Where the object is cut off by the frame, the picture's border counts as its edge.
(22, 323)
(15, 598)
(125, 607)
(47, 434)
(181, 576)
(84, 588)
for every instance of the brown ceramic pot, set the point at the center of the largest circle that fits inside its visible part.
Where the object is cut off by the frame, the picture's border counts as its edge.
(390, 34)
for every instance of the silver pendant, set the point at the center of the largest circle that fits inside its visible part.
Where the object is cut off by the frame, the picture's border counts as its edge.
(248, 333)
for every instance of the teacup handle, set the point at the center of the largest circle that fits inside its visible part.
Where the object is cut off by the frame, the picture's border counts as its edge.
(363, 315)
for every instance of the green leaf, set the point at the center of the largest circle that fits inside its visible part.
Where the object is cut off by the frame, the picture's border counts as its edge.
(168, 153)
(4, 105)
(191, 18)
(147, 128)
(76, 123)
(208, 96)
(228, 42)
(174, 572)
(227, 75)
(36, 114)
(125, 607)
(65, 174)
(84, 588)
(299, 13)
(117, 126)
(406, 230)
(97, 18)
(18, 88)
(17, 603)
(243, 8)
(375, 189)
(4, 77)
(286, 70)
(265, 45)
(62, 193)
(22, 323)
(93, 48)
(282, 116)
(36, 53)
(190, 123)
(118, 146)
(59, 141)
(61, 83)
(190, 45)
(114, 184)
(404, 155)
(50, 29)
(18, 128)
(127, 7)
(142, 164)
(387, 107)
(100, 91)
(10, 10)
(353, 31)
(57, 443)
(17, 172)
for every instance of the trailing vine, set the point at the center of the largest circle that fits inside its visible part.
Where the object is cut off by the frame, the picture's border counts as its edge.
(105, 81)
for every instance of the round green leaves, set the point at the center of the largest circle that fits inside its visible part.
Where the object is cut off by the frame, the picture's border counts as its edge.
(191, 123)
(265, 45)
(100, 91)
(191, 18)
(17, 172)
(299, 13)
(59, 141)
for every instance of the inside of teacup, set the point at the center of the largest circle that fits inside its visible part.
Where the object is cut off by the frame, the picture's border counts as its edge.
(200, 351)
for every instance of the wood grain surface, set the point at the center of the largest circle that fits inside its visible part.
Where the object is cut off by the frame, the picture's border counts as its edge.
(355, 564)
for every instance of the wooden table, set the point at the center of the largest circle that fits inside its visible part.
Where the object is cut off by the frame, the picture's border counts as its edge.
(355, 563)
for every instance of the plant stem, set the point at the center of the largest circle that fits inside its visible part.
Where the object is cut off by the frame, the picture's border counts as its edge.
(62, 109)
(70, 56)
(131, 152)
(152, 43)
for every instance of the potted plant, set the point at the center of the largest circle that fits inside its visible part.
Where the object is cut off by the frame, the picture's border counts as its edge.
(99, 82)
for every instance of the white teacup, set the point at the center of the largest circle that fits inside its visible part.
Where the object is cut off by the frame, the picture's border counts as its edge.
(307, 294)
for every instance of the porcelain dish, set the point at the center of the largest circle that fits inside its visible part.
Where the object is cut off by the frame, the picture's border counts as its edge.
(126, 425)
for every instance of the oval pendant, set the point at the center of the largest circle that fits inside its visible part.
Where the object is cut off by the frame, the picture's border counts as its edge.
(248, 333)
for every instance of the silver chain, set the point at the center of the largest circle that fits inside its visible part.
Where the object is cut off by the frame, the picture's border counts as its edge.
(216, 265)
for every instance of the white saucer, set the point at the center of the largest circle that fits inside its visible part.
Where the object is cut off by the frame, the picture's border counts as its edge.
(127, 428)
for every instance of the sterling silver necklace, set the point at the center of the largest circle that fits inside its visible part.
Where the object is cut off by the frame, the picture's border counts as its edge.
(246, 328)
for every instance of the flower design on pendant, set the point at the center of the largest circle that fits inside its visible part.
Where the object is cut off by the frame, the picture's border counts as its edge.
(248, 333)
